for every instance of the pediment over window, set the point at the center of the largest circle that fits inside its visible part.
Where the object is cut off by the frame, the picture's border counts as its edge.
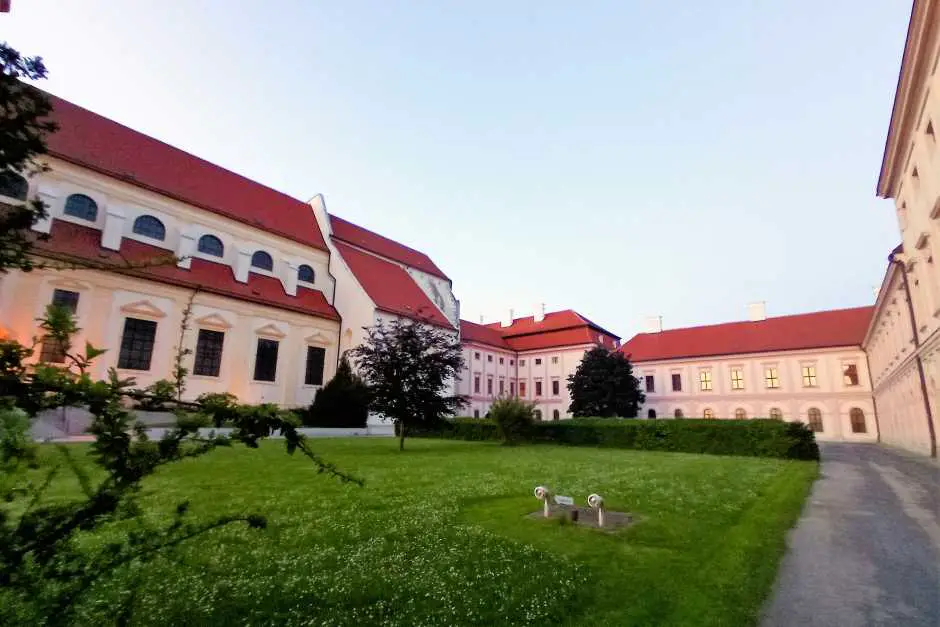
(69, 284)
(271, 331)
(143, 308)
(319, 339)
(213, 321)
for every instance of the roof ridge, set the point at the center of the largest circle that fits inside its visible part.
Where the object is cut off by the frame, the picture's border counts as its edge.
(720, 324)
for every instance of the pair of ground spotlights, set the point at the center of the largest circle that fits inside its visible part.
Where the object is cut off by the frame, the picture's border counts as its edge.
(595, 501)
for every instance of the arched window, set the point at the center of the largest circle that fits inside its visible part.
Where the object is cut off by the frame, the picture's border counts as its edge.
(678, 413)
(81, 206)
(262, 260)
(776, 414)
(555, 414)
(211, 245)
(651, 413)
(305, 274)
(476, 413)
(857, 418)
(814, 418)
(538, 414)
(150, 226)
(708, 413)
(12, 185)
(740, 414)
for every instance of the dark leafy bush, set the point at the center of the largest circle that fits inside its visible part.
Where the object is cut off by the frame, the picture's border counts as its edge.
(514, 418)
(343, 401)
(753, 438)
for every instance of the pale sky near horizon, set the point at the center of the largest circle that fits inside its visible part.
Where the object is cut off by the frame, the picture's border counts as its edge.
(623, 159)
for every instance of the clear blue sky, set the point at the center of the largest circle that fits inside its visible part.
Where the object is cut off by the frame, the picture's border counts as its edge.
(621, 158)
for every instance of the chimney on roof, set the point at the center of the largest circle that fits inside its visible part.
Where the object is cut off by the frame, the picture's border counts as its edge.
(539, 313)
(507, 322)
(654, 324)
(757, 312)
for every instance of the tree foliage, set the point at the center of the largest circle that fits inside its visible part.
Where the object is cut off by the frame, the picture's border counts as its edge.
(343, 401)
(604, 386)
(513, 417)
(410, 367)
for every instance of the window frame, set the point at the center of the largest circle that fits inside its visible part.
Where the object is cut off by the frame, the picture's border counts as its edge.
(809, 375)
(93, 208)
(813, 419)
(676, 378)
(538, 387)
(200, 360)
(262, 255)
(771, 377)
(556, 387)
(313, 349)
(737, 378)
(15, 180)
(859, 426)
(313, 275)
(128, 357)
(255, 367)
(846, 367)
(705, 380)
(209, 237)
(649, 383)
(740, 413)
(148, 221)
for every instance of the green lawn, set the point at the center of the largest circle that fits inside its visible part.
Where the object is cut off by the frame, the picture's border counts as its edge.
(439, 536)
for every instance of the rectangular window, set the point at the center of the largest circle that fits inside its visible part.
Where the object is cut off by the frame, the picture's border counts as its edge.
(476, 356)
(501, 361)
(554, 360)
(705, 380)
(489, 386)
(512, 388)
(137, 344)
(522, 389)
(650, 383)
(208, 360)
(676, 382)
(850, 374)
(771, 378)
(522, 362)
(737, 379)
(489, 358)
(538, 388)
(809, 376)
(266, 360)
(538, 362)
(316, 355)
(53, 352)
(502, 387)
(556, 387)
(476, 384)
(65, 299)
(511, 362)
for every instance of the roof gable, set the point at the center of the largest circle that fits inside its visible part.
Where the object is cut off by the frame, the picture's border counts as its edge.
(390, 287)
(97, 143)
(823, 329)
(380, 245)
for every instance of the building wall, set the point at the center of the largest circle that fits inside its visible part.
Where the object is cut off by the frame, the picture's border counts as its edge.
(556, 365)
(910, 176)
(831, 395)
(107, 299)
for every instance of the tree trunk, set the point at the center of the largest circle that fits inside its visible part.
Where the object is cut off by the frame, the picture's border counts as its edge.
(401, 436)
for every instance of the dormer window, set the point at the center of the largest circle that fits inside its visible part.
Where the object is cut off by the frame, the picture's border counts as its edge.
(262, 261)
(211, 245)
(14, 186)
(151, 227)
(82, 207)
(305, 274)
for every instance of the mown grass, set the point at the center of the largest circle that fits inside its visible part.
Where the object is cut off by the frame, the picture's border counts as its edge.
(439, 536)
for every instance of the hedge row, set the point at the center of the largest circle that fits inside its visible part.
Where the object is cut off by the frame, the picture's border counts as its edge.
(752, 438)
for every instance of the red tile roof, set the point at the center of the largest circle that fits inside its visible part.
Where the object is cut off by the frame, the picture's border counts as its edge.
(480, 334)
(390, 287)
(73, 241)
(553, 321)
(556, 329)
(97, 143)
(373, 242)
(823, 329)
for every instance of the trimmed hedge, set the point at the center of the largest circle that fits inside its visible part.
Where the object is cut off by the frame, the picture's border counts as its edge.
(752, 438)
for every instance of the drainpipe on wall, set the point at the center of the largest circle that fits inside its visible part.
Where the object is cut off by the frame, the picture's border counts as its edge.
(917, 357)
(874, 402)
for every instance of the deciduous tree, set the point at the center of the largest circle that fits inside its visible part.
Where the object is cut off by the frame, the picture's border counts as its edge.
(410, 367)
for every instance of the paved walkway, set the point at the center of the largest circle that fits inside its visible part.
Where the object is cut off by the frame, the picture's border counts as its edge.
(867, 548)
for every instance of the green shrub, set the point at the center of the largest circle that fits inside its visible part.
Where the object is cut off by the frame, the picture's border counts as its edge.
(343, 401)
(752, 438)
(514, 418)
